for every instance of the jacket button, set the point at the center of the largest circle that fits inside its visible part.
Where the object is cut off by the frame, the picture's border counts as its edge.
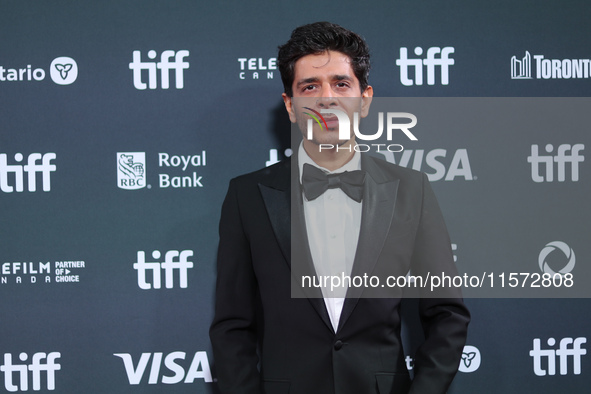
(338, 345)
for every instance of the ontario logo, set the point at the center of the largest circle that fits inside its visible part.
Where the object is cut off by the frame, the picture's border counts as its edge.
(64, 70)
(470, 359)
(131, 170)
(341, 120)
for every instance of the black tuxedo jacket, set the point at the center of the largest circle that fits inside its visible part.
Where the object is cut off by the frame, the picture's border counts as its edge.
(265, 341)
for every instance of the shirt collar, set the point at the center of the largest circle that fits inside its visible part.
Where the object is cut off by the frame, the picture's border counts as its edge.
(351, 165)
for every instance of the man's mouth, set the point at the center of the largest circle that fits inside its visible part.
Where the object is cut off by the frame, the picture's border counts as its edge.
(332, 122)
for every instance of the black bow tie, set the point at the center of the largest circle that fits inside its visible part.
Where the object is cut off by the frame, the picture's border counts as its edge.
(315, 182)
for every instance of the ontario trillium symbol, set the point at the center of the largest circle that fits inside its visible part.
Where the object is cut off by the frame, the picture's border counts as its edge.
(64, 69)
(467, 358)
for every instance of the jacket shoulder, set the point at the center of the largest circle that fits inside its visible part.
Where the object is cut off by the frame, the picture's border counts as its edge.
(276, 175)
(387, 171)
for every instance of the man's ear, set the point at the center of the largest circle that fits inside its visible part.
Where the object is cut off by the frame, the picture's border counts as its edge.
(366, 98)
(289, 107)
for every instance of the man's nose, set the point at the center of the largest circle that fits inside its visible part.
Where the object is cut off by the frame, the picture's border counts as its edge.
(327, 97)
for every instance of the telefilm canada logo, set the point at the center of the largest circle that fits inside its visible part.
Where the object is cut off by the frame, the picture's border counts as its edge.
(257, 68)
(63, 70)
(19, 272)
(344, 126)
(521, 68)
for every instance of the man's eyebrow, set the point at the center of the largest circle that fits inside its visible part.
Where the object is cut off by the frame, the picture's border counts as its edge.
(338, 77)
(307, 81)
(342, 78)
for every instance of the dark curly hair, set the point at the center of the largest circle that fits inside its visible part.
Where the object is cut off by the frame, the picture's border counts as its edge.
(317, 38)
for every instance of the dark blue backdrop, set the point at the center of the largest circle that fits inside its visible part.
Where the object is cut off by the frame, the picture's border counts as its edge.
(78, 123)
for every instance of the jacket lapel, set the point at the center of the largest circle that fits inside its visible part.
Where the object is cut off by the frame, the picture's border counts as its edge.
(275, 191)
(288, 224)
(379, 199)
(289, 227)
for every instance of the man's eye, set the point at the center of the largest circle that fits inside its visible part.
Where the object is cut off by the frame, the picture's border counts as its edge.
(309, 87)
(342, 84)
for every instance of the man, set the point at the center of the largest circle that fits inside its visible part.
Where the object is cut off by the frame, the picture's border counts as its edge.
(264, 339)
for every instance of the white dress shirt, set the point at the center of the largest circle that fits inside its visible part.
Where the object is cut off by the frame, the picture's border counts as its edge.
(333, 221)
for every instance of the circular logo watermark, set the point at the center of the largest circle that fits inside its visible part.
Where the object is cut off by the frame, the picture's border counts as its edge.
(551, 247)
(63, 70)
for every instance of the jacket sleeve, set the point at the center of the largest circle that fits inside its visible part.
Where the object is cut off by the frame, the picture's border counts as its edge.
(233, 332)
(444, 316)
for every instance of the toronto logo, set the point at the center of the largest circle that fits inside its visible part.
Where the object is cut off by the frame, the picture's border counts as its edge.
(521, 68)
(542, 68)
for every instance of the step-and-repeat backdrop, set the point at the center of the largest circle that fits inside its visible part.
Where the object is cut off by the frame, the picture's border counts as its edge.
(121, 123)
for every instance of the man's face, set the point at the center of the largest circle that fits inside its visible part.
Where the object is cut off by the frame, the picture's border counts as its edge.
(326, 81)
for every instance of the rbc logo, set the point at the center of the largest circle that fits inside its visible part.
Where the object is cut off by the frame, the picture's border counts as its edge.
(164, 65)
(131, 170)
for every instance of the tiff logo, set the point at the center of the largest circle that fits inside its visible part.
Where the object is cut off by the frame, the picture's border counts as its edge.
(164, 65)
(31, 168)
(562, 157)
(563, 353)
(168, 266)
(36, 367)
(432, 61)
